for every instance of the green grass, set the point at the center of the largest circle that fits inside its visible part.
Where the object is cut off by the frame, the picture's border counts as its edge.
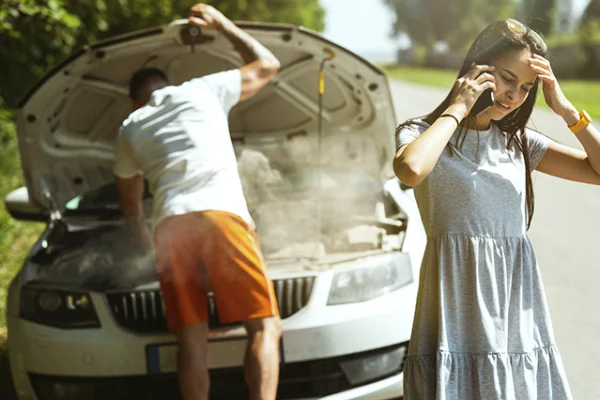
(583, 94)
(423, 76)
(16, 238)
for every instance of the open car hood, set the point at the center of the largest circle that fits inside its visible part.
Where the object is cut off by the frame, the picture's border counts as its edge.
(68, 122)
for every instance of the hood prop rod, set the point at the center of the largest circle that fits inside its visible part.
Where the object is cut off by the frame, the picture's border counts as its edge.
(194, 32)
(329, 56)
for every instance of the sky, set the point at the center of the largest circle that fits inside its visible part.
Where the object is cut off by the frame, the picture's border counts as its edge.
(364, 26)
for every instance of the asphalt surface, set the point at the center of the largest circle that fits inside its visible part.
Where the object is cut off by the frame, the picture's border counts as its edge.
(566, 236)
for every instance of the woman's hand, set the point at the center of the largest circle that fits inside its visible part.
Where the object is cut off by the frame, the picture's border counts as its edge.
(469, 88)
(553, 94)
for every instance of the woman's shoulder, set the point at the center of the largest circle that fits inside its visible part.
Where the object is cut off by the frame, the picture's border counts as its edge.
(417, 125)
(534, 133)
(409, 130)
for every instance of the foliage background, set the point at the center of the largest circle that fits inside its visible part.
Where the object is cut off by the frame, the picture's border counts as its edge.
(453, 24)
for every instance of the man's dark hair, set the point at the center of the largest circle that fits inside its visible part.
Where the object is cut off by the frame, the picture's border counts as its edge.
(144, 82)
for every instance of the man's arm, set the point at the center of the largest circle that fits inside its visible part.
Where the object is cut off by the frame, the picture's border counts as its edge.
(261, 65)
(131, 193)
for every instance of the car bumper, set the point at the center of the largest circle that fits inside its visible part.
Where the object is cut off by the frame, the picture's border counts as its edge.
(386, 389)
(105, 369)
(316, 342)
(52, 387)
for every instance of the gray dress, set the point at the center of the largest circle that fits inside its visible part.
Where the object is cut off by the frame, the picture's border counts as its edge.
(482, 328)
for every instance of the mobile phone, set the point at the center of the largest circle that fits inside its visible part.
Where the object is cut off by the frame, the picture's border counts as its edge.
(485, 101)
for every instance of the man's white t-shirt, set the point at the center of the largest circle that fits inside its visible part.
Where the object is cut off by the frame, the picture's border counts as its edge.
(180, 141)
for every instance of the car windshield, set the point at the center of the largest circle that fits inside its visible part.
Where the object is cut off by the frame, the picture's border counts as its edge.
(102, 199)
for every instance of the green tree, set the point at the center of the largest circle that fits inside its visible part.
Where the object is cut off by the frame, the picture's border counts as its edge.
(540, 15)
(32, 37)
(455, 22)
(589, 36)
(474, 16)
(592, 11)
(105, 18)
(36, 34)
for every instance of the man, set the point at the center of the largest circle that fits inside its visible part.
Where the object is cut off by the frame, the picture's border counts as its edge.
(178, 139)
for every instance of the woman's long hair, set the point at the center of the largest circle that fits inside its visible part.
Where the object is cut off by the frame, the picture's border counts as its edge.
(495, 40)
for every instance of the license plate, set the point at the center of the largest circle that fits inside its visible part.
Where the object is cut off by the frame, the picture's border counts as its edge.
(162, 358)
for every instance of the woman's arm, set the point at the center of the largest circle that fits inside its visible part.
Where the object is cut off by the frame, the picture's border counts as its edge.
(560, 160)
(573, 164)
(415, 161)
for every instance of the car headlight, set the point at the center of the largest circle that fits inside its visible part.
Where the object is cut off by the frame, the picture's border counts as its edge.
(52, 387)
(58, 308)
(372, 278)
(374, 366)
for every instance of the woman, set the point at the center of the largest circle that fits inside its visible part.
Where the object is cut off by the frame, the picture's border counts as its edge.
(482, 329)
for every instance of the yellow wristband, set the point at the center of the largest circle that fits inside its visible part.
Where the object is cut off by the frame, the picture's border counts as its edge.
(584, 119)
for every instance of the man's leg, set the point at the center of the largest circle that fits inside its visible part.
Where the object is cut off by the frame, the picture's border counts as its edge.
(261, 367)
(185, 296)
(192, 361)
(243, 291)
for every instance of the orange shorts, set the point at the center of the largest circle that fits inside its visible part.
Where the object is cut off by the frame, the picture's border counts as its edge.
(217, 251)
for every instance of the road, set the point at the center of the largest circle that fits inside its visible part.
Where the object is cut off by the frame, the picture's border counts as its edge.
(566, 236)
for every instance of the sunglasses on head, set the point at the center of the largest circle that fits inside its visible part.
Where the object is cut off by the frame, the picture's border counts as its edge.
(521, 29)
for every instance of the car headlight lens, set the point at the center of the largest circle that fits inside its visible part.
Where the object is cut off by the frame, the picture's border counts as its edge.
(375, 366)
(58, 308)
(372, 278)
(55, 388)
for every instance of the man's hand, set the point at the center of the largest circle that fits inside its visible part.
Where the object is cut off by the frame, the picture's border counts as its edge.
(140, 236)
(260, 64)
(131, 193)
(207, 17)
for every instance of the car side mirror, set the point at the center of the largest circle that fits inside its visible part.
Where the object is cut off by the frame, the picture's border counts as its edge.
(20, 206)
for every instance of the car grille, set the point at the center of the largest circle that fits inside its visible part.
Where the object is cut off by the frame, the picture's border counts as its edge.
(144, 311)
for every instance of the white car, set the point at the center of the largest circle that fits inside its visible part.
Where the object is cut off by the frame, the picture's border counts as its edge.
(343, 238)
